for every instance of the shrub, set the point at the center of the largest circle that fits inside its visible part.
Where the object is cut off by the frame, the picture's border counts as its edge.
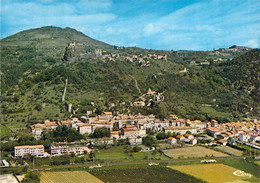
(137, 149)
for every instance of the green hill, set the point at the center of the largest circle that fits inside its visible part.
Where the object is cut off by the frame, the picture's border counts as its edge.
(221, 84)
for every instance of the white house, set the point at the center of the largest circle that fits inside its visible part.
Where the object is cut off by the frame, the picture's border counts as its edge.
(243, 137)
(115, 134)
(171, 140)
(180, 138)
(189, 136)
(222, 142)
(254, 139)
(85, 128)
(193, 141)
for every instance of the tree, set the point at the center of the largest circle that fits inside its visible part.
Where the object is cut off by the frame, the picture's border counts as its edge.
(101, 132)
(148, 141)
(32, 177)
(64, 131)
(137, 149)
(99, 110)
(149, 131)
(161, 135)
(92, 155)
(65, 159)
(38, 107)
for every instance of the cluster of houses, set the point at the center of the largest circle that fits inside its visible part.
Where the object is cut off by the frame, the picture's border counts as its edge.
(148, 98)
(247, 131)
(143, 60)
(187, 139)
(133, 128)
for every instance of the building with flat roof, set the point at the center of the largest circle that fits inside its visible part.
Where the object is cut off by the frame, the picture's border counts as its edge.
(60, 150)
(34, 150)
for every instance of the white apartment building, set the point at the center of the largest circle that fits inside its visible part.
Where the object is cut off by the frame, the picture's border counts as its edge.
(60, 150)
(34, 150)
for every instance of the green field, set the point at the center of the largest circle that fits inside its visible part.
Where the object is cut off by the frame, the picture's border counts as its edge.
(243, 164)
(4, 130)
(212, 173)
(257, 163)
(144, 175)
(193, 152)
(68, 177)
(248, 149)
(230, 150)
(117, 153)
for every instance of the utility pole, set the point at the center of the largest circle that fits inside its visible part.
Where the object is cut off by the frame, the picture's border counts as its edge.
(148, 157)
(33, 162)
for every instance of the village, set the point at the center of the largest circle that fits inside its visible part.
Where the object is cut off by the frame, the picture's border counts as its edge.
(133, 128)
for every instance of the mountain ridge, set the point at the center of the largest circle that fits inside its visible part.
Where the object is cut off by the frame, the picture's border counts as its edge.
(194, 84)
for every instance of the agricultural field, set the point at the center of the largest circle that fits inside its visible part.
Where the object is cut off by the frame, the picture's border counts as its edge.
(68, 177)
(230, 150)
(193, 152)
(212, 173)
(144, 175)
(123, 153)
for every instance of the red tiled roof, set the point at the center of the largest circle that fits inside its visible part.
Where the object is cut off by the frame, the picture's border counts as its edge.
(50, 124)
(108, 113)
(114, 132)
(179, 136)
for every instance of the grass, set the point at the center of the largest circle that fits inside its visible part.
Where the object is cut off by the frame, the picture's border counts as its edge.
(214, 113)
(4, 130)
(144, 175)
(117, 153)
(193, 152)
(244, 165)
(230, 150)
(68, 177)
(257, 163)
(248, 148)
(212, 173)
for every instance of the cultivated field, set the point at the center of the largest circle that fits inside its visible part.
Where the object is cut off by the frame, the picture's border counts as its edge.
(230, 150)
(212, 173)
(117, 153)
(144, 175)
(193, 152)
(68, 177)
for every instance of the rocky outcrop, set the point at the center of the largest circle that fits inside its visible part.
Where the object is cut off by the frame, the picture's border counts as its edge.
(70, 52)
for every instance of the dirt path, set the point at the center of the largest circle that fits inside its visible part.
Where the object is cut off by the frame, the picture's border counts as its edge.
(64, 92)
(136, 84)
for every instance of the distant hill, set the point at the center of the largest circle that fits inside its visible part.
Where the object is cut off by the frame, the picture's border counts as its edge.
(52, 34)
(221, 84)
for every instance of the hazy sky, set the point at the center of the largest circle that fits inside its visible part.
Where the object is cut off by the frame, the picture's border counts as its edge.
(155, 24)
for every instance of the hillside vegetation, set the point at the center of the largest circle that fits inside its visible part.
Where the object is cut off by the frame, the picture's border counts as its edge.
(221, 84)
